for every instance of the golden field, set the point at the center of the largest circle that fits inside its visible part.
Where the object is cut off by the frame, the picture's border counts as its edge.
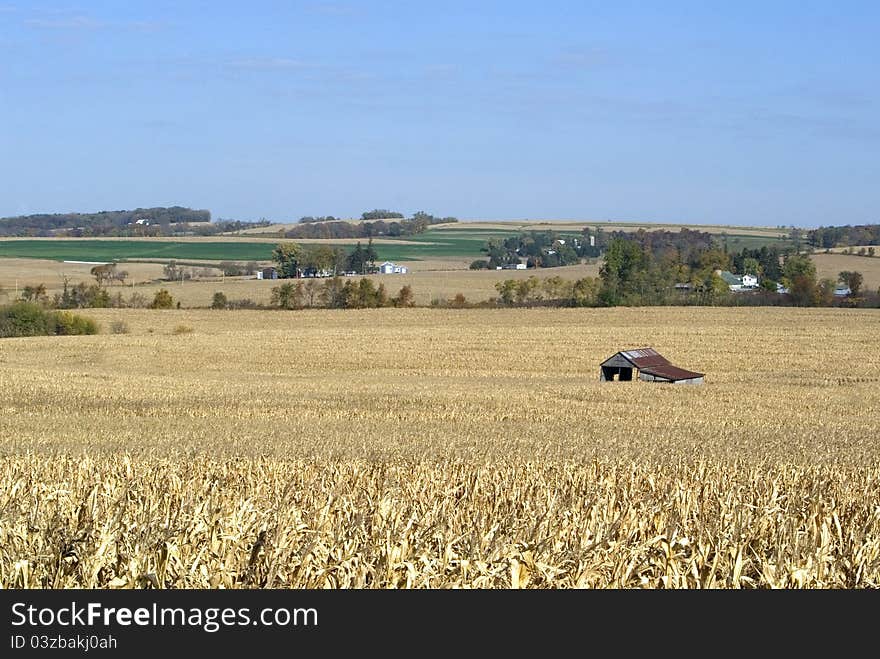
(439, 448)
(830, 265)
(429, 279)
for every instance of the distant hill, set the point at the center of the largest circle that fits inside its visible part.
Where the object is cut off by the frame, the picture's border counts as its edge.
(102, 223)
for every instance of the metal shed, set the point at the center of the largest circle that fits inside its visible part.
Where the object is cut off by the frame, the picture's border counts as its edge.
(651, 367)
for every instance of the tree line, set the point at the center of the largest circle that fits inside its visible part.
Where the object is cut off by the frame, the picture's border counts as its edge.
(844, 236)
(640, 269)
(101, 223)
(333, 293)
(295, 260)
(91, 296)
(331, 227)
(563, 292)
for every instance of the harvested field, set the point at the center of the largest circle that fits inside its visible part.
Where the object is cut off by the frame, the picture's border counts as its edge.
(429, 448)
(830, 265)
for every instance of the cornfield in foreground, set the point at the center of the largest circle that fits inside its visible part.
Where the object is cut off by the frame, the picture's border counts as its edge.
(422, 448)
(124, 523)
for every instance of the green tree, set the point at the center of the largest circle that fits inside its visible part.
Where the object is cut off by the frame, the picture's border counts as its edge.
(804, 290)
(825, 292)
(527, 289)
(623, 259)
(554, 287)
(288, 295)
(333, 293)
(796, 236)
(162, 300)
(319, 257)
(711, 288)
(796, 266)
(371, 254)
(357, 260)
(312, 291)
(219, 301)
(853, 280)
(380, 214)
(363, 295)
(751, 266)
(288, 256)
(25, 319)
(585, 291)
(506, 290)
(714, 259)
(381, 299)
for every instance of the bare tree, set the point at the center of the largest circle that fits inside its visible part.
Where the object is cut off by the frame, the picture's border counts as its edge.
(103, 273)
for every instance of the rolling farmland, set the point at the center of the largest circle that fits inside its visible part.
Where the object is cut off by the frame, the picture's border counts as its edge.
(429, 448)
(453, 241)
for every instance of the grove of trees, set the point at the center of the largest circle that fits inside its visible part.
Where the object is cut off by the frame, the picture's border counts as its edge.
(304, 260)
(148, 222)
(373, 223)
(843, 236)
(334, 293)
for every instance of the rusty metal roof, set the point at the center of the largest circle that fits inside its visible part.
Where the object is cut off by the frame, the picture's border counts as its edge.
(652, 362)
(644, 357)
(670, 372)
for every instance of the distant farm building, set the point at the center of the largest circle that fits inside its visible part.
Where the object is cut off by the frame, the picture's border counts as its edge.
(389, 268)
(315, 272)
(267, 273)
(739, 282)
(651, 367)
(512, 266)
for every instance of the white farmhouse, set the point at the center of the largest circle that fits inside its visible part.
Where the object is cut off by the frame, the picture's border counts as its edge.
(738, 283)
(389, 268)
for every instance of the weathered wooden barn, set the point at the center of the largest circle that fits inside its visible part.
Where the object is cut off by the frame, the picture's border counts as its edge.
(651, 367)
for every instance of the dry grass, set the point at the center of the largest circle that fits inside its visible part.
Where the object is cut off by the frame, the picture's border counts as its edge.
(830, 265)
(52, 273)
(434, 279)
(416, 448)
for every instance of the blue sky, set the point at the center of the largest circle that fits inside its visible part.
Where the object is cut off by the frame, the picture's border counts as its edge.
(717, 112)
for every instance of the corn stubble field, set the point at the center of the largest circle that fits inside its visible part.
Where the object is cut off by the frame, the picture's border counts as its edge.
(409, 448)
